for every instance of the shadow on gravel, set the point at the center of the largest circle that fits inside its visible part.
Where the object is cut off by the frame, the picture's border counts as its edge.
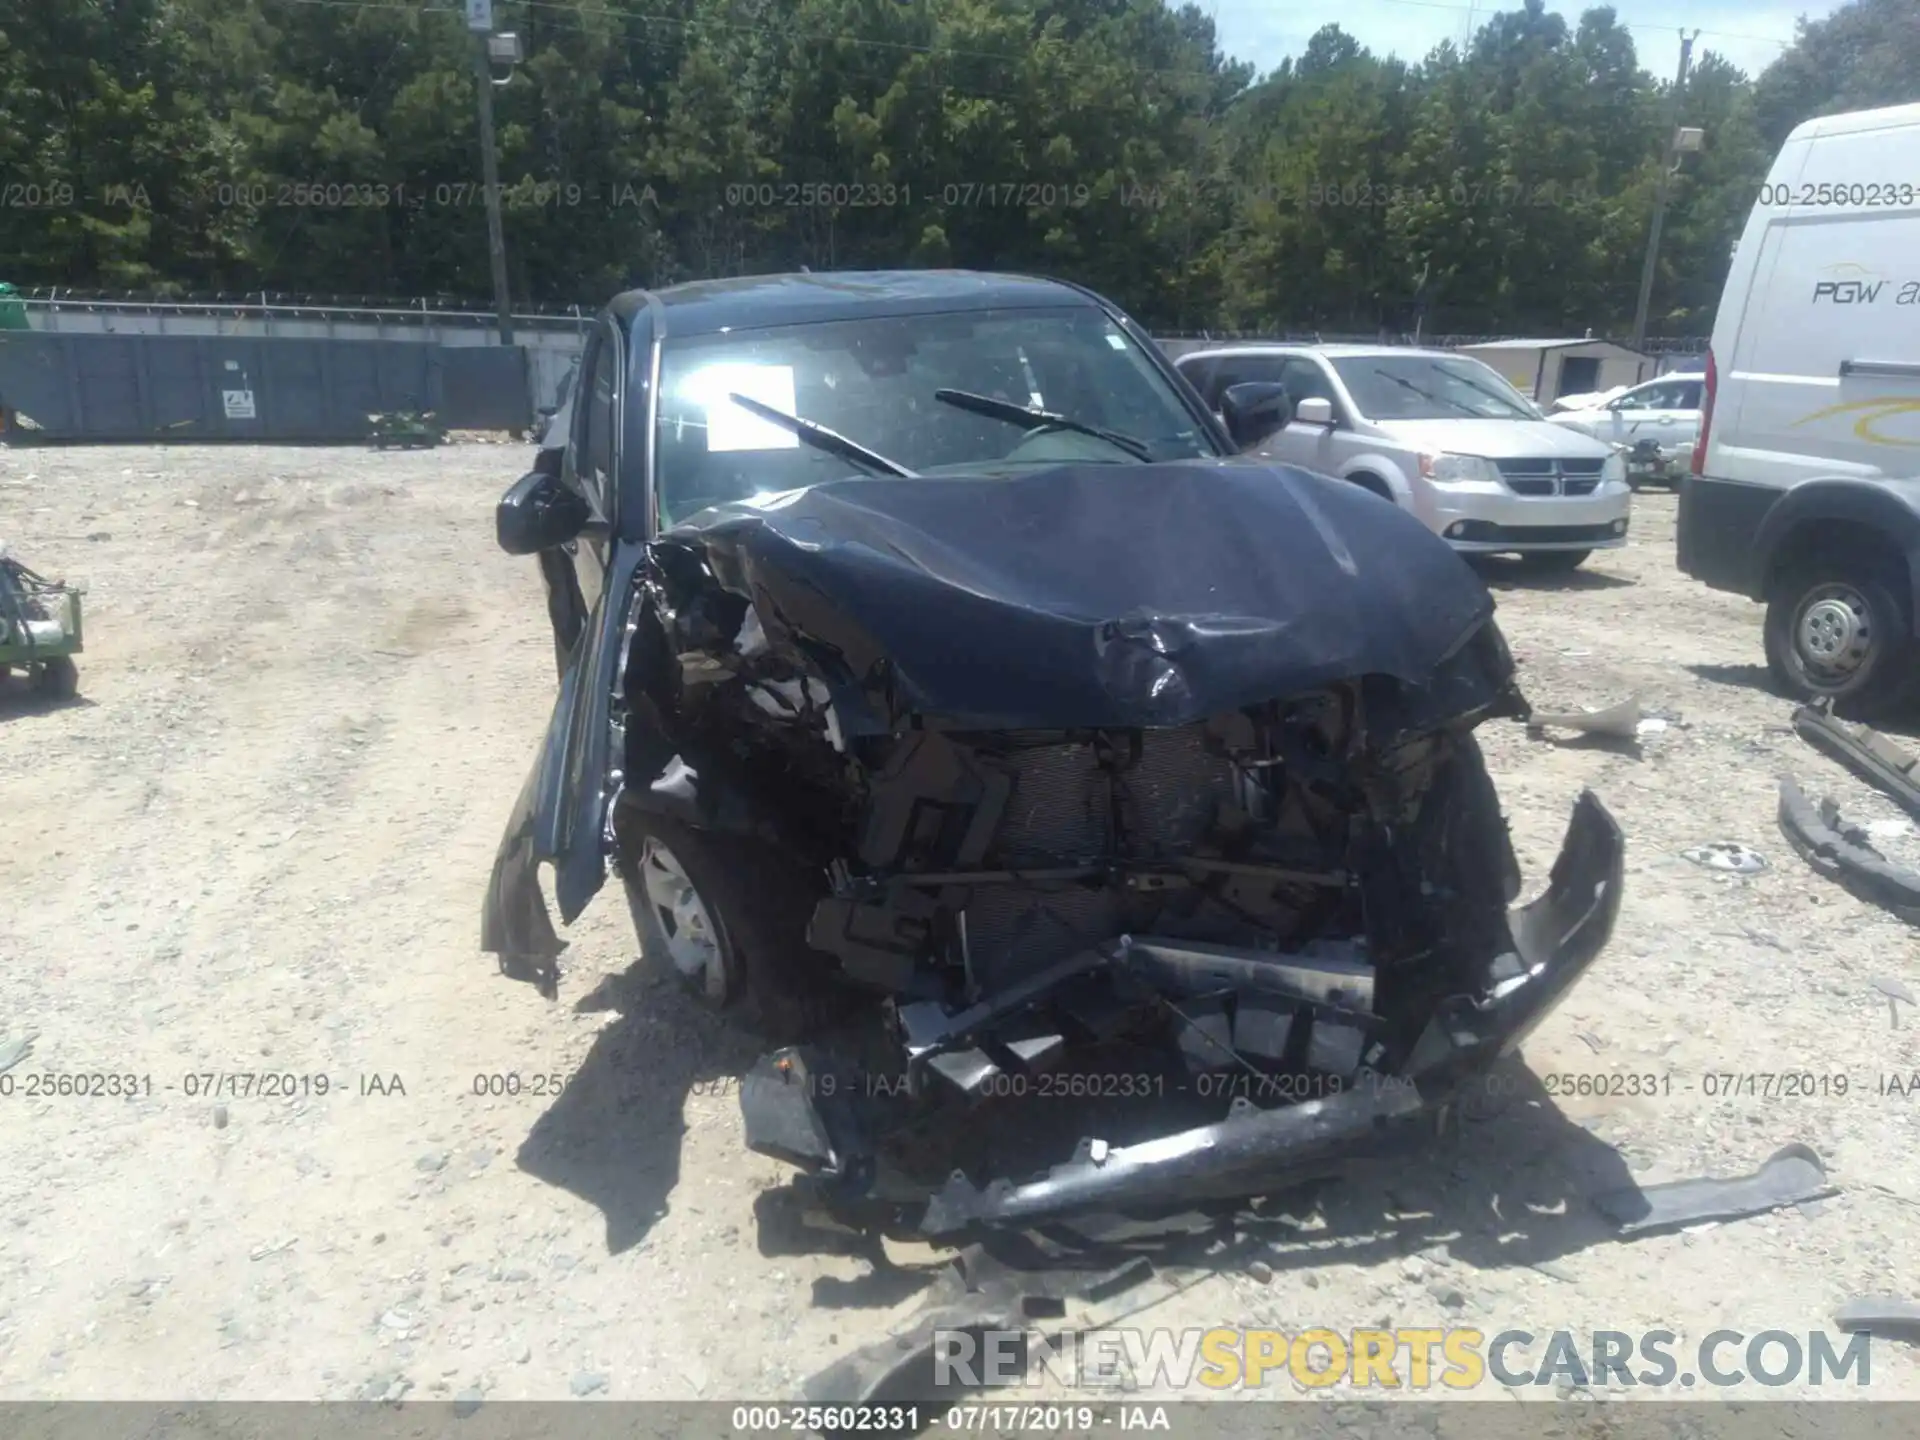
(18, 700)
(1744, 677)
(613, 1137)
(1626, 746)
(1501, 573)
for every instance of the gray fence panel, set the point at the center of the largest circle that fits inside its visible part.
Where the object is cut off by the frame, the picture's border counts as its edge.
(224, 387)
(296, 382)
(484, 387)
(354, 370)
(108, 378)
(180, 399)
(33, 380)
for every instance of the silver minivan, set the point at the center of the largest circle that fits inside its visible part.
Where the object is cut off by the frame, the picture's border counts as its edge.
(1437, 433)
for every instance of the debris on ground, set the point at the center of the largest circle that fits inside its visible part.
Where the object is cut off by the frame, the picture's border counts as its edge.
(12, 1052)
(1864, 751)
(1843, 853)
(1729, 856)
(979, 1291)
(1887, 1315)
(1895, 991)
(1621, 722)
(1791, 1175)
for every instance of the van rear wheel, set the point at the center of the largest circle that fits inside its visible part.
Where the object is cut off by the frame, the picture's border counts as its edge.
(1841, 632)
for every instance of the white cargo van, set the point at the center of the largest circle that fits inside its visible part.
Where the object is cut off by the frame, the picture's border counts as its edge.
(1805, 491)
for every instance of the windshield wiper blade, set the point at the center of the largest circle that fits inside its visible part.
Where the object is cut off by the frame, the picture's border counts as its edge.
(1426, 394)
(1476, 386)
(821, 438)
(1032, 415)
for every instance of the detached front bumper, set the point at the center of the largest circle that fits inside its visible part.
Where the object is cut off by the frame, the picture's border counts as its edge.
(796, 1113)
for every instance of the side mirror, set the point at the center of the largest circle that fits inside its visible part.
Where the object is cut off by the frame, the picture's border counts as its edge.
(1315, 410)
(538, 513)
(1253, 410)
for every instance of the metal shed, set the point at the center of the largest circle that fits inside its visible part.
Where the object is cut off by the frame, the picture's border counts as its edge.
(1548, 369)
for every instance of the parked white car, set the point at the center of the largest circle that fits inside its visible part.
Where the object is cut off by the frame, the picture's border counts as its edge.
(1657, 423)
(1589, 400)
(1436, 433)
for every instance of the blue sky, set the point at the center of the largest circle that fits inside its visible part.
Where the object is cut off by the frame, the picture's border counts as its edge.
(1745, 32)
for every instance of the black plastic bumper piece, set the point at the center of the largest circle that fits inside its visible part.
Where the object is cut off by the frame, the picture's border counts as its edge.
(1867, 753)
(1241, 1155)
(1842, 852)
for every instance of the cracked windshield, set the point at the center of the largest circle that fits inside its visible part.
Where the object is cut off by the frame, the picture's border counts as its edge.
(880, 383)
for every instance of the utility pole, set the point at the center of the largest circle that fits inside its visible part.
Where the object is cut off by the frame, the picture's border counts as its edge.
(480, 23)
(1669, 159)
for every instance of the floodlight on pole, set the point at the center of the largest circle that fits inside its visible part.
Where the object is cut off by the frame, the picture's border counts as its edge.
(1670, 163)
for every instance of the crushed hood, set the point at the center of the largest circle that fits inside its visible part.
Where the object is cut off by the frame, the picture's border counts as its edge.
(1087, 595)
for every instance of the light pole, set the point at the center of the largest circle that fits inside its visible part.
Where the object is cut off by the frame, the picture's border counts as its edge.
(1669, 160)
(480, 23)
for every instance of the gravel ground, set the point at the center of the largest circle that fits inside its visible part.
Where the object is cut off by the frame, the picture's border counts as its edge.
(258, 844)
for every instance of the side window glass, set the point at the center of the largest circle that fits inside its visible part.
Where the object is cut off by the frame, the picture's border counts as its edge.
(1691, 396)
(581, 442)
(589, 467)
(1307, 381)
(599, 447)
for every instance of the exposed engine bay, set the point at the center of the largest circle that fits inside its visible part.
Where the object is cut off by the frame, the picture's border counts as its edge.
(1236, 877)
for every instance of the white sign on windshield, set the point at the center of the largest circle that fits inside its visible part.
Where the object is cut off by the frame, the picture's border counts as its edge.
(728, 426)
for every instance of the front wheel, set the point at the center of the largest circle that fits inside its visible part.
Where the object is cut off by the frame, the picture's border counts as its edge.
(1839, 632)
(728, 915)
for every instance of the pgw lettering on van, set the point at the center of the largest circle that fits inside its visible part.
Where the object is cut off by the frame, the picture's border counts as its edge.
(1805, 491)
(1848, 292)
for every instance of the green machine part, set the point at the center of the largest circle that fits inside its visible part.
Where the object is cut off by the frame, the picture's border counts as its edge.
(13, 310)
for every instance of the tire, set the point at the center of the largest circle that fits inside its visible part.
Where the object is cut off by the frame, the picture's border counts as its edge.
(59, 678)
(1838, 630)
(1373, 485)
(756, 904)
(1554, 562)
